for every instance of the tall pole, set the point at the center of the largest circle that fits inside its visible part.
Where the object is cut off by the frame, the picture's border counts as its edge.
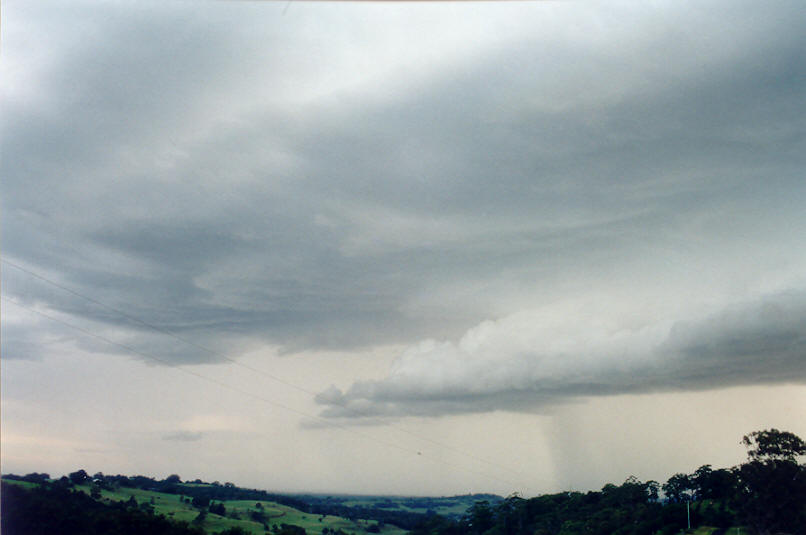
(688, 515)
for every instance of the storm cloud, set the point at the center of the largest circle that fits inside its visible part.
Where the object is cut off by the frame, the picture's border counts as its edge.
(537, 360)
(244, 184)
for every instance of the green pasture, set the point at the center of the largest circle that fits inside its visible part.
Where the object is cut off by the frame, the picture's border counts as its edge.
(238, 513)
(282, 514)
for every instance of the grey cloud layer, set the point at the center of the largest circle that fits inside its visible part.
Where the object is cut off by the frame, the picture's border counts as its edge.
(190, 169)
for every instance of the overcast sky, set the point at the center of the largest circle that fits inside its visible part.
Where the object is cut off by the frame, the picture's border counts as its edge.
(411, 248)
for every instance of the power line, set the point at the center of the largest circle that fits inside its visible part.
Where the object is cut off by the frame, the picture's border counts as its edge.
(234, 362)
(253, 395)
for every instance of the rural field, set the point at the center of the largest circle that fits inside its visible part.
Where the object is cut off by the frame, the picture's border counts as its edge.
(239, 513)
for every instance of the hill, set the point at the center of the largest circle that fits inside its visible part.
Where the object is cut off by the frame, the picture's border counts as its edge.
(38, 505)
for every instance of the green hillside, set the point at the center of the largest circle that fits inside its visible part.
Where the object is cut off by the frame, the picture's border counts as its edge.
(256, 517)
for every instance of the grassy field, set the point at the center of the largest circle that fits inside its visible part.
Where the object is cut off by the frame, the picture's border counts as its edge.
(238, 513)
(26, 484)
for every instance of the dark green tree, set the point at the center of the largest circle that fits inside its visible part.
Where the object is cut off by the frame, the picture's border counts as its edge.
(200, 502)
(290, 529)
(480, 517)
(78, 477)
(712, 484)
(36, 477)
(679, 488)
(772, 445)
(200, 518)
(772, 485)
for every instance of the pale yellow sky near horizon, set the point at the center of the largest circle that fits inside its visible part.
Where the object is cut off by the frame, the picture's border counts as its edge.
(128, 410)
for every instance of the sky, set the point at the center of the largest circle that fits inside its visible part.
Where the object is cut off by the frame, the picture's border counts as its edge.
(401, 248)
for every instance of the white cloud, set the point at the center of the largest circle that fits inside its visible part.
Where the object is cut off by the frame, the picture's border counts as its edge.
(538, 359)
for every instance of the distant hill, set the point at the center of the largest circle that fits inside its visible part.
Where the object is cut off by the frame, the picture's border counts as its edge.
(447, 506)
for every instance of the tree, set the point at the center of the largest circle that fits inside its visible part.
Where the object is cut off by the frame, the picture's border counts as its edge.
(772, 444)
(652, 490)
(480, 516)
(53, 509)
(78, 477)
(200, 502)
(173, 478)
(678, 489)
(290, 529)
(712, 484)
(147, 507)
(36, 477)
(772, 485)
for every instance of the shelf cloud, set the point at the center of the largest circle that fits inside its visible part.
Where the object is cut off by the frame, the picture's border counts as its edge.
(533, 361)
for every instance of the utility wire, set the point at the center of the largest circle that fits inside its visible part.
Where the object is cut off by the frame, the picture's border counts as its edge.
(234, 362)
(253, 395)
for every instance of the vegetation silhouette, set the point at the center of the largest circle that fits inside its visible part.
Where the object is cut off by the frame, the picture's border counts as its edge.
(765, 495)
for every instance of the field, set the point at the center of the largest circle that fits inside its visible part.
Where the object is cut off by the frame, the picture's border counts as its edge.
(238, 513)
(453, 507)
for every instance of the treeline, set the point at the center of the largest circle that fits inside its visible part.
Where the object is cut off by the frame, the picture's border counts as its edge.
(402, 519)
(767, 493)
(51, 508)
(429, 505)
